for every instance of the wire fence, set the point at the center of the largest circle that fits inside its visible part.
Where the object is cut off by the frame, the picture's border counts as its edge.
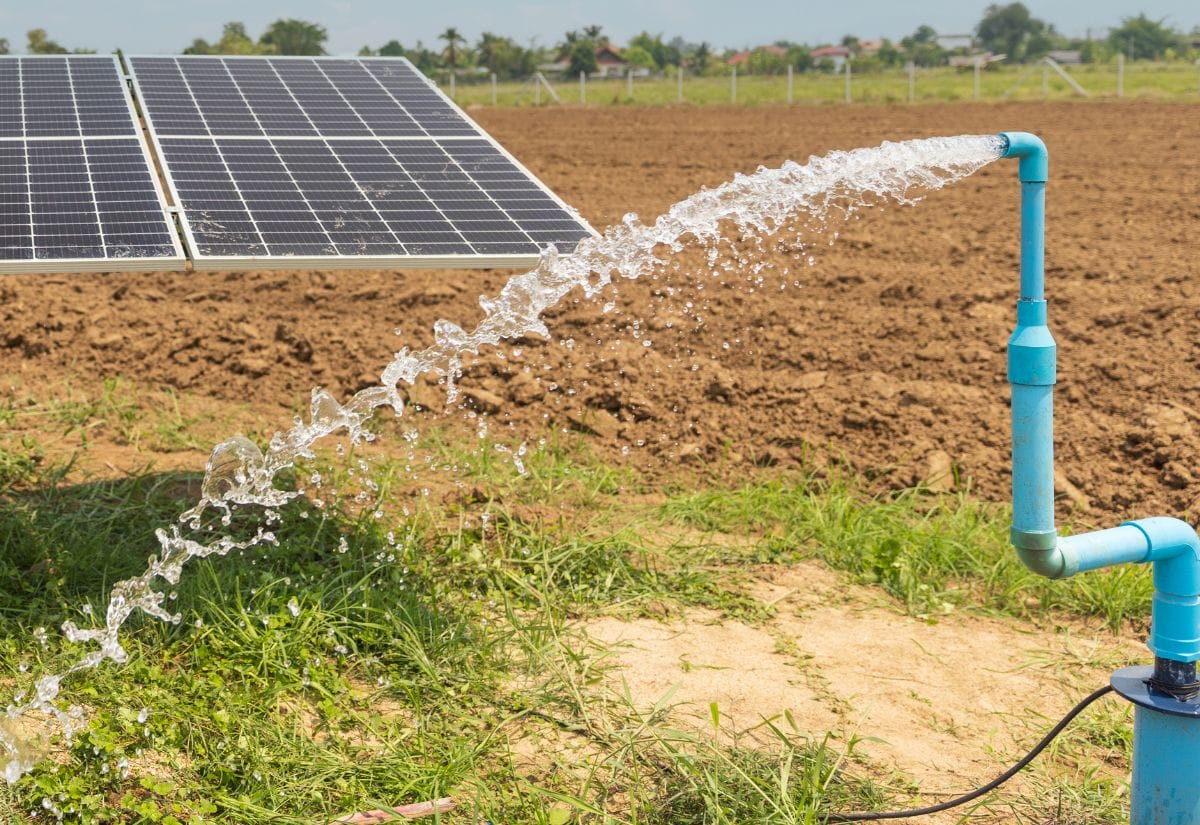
(1176, 80)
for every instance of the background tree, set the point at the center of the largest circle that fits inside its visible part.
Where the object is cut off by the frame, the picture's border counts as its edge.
(3, 45)
(581, 56)
(664, 54)
(504, 56)
(454, 42)
(40, 43)
(921, 47)
(640, 57)
(234, 40)
(288, 36)
(1013, 31)
(1141, 38)
(800, 57)
(762, 61)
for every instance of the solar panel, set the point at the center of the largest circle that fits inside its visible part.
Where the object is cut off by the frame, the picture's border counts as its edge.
(337, 161)
(77, 190)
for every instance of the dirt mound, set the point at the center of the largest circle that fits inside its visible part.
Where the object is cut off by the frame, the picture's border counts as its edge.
(889, 351)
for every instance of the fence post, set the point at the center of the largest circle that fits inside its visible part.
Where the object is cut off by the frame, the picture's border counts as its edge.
(582, 86)
(679, 83)
(977, 62)
(912, 81)
(1120, 75)
(493, 88)
(537, 91)
(733, 86)
(452, 84)
(1045, 80)
(790, 83)
(629, 84)
(847, 80)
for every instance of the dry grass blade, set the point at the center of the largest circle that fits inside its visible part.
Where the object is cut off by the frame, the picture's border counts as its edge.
(415, 811)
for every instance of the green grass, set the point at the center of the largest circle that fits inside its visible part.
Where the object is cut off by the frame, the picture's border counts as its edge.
(935, 553)
(118, 410)
(396, 646)
(1178, 80)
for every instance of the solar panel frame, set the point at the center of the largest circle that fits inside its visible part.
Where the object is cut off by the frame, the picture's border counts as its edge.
(174, 262)
(201, 261)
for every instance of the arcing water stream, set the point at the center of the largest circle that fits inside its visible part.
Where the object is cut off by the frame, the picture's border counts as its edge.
(239, 474)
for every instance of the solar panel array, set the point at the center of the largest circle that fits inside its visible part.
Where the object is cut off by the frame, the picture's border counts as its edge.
(77, 190)
(337, 161)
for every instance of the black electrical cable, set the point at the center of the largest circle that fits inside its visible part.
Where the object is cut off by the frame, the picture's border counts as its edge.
(991, 786)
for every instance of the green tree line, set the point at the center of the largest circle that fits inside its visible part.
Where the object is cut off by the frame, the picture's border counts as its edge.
(1009, 29)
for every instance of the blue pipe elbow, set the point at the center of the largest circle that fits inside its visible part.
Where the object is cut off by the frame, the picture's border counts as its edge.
(1175, 613)
(1031, 151)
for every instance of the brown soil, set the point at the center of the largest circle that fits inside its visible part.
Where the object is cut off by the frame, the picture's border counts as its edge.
(890, 352)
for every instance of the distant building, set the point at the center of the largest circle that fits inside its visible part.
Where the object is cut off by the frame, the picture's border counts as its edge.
(968, 61)
(609, 63)
(950, 42)
(869, 47)
(1065, 55)
(741, 58)
(838, 54)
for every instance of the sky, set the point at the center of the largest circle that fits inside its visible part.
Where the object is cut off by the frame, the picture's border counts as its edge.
(167, 26)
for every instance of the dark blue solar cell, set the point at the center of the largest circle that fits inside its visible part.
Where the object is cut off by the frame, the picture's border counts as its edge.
(397, 168)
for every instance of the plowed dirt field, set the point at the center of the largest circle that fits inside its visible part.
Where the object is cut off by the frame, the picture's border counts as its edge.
(889, 353)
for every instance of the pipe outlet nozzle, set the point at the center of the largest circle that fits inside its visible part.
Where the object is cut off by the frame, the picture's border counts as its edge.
(1029, 149)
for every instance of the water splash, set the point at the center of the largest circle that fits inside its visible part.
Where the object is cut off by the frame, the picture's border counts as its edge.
(239, 474)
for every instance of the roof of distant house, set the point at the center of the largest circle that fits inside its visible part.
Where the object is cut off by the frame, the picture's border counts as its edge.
(608, 53)
(741, 57)
(831, 51)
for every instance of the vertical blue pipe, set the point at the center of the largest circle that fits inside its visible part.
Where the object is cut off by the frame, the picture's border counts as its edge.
(1166, 775)
(1166, 742)
(1031, 370)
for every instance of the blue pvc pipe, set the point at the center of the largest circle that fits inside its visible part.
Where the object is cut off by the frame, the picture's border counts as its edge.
(1031, 371)
(1166, 751)
(1171, 544)
(1166, 758)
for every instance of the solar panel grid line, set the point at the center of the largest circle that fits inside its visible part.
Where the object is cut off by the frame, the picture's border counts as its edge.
(389, 93)
(283, 164)
(433, 202)
(334, 177)
(335, 155)
(77, 188)
(149, 165)
(336, 91)
(25, 154)
(87, 163)
(189, 233)
(486, 194)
